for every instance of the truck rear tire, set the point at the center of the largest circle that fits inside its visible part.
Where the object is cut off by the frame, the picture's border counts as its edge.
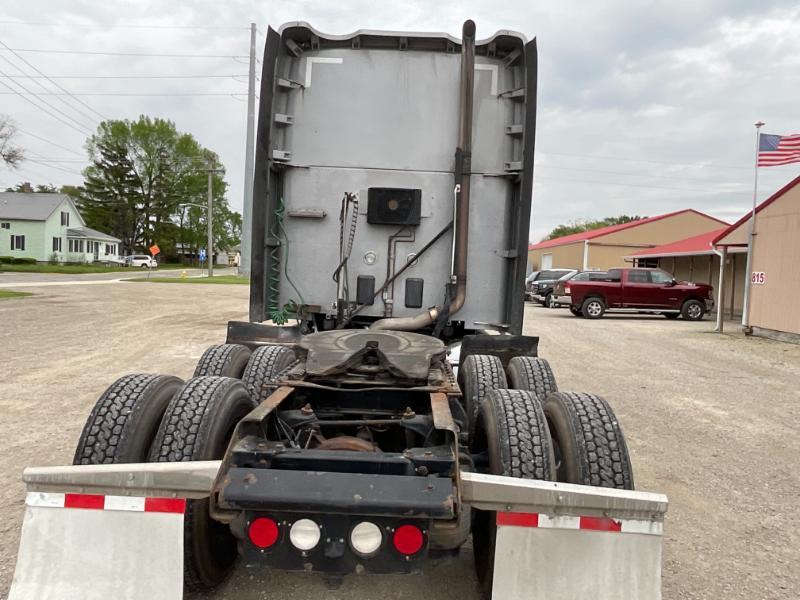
(477, 376)
(671, 316)
(223, 360)
(264, 364)
(512, 430)
(593, 308)
(198, 425)
(124, 420)
(589, 445)
(532, 374)
(693, 310)
(575, 311)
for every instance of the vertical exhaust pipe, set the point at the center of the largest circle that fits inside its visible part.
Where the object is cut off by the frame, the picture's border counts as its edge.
(462, 172)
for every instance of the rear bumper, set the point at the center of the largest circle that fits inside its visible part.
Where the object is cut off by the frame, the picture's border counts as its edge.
(340, 493)
(564, 300)
(337, 502)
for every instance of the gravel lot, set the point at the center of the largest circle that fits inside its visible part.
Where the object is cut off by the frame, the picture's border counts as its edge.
(712, 421)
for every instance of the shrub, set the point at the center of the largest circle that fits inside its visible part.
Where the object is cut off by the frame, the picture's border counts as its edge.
(53, 260)
(22, 261)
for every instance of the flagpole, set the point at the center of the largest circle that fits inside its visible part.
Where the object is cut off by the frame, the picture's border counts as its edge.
(750, 240)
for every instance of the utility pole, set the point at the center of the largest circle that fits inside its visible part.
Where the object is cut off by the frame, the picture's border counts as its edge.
(249, 160)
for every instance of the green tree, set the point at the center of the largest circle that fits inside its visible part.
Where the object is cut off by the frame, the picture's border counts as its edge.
(10, 154)
(580, 226)
(42, 188)
(142, 175)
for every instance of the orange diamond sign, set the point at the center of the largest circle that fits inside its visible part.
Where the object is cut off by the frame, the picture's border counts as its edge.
(154, 249)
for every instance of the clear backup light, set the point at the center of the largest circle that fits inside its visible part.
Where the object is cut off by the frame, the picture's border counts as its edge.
(366, 538)
(304, 534)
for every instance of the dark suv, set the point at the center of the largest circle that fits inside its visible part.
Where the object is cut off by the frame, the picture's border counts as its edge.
(541, 289)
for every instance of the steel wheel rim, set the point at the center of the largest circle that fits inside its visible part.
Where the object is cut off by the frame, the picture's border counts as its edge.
(593, 308)
(694, 311)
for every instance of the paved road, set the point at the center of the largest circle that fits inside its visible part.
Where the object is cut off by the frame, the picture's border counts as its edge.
(711, 420)
(12, 279)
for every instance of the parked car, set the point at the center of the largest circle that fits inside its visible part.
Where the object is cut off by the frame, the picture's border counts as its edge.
(641, 291)
(561, 296)
(537, 276)
(141, 261)
(542, 288)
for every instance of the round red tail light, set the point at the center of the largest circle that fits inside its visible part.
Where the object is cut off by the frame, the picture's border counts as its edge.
(408, 539)
(263, 532)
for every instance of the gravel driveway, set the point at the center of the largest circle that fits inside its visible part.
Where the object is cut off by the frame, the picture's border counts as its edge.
(712, 421)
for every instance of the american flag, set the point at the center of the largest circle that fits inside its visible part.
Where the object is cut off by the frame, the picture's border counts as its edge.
(774, 150)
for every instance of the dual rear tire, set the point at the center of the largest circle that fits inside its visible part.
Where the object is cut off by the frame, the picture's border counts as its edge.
(537, 432)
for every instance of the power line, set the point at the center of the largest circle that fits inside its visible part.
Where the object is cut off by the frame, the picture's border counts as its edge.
(38, 137)
(141, 54)
(658, 162)
(63, 89)
(232, 76)
(628, 173)
(83, 131)
(134, 94)
(131, 26)
(49, 166)
(655, 187)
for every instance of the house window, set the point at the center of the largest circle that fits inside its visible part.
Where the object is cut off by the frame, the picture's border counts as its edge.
(76, 245)
(65, 219)
(5, 225)
(647, 263)
(56, 244)
(89, 246)
(18, 242)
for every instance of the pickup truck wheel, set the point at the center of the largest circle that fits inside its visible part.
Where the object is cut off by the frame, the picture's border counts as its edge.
(264, 364)
(512, 431)
(548, 300)
(477, 376)
(593, 308)
(672, 316)
(532, 374)
(124, 421)
(575, 311)
(693, 310)
(589, 445)
(223, 360)
(198, 425)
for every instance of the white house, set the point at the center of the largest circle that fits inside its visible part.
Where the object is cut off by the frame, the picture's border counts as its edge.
(49, 227)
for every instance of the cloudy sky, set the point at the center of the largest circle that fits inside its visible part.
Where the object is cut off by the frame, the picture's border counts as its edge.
(644, 107)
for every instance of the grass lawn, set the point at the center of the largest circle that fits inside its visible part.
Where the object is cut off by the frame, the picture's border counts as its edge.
(77, 269)
(216, 280)
(4, 294)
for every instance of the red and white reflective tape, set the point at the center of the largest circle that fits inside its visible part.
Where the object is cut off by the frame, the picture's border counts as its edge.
(102, 502)
(543, 521)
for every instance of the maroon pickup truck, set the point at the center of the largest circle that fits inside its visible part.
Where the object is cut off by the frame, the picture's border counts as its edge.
(641, 291)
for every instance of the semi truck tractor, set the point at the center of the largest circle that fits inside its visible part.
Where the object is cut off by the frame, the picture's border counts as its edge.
(381, 406)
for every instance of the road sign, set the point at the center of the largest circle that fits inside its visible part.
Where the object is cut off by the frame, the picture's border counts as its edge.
(154, 249)
(202, 254)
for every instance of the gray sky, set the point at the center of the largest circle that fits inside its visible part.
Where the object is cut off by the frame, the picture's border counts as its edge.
(644, 107)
